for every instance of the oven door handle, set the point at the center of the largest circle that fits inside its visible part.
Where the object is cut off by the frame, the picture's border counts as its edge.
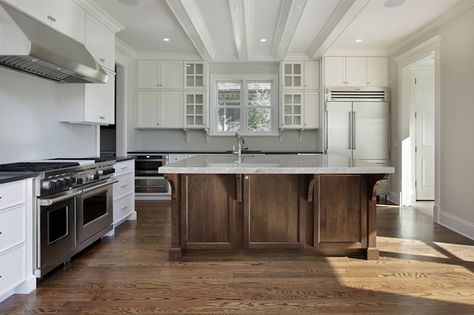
(50, 202)
(111, 182)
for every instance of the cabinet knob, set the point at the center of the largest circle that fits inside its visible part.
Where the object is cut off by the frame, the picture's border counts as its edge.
(51, 18)
(102, 60)
(157, 124)
(101, 117)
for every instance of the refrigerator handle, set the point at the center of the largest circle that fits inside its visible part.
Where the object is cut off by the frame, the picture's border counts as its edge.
(353, 130)
(349, 140)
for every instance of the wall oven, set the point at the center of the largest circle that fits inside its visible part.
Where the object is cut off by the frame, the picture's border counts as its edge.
(150, 184)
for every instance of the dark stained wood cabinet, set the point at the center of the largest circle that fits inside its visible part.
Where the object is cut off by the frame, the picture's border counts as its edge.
(209, 208)
(340, 211)
(272, 211)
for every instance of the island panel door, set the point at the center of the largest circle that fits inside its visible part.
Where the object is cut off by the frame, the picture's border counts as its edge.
(209, 209)
(272, 211)
(340, 212)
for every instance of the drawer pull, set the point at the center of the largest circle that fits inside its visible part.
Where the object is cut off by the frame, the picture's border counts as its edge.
(124, 168)
(124, 208)
(123, 186)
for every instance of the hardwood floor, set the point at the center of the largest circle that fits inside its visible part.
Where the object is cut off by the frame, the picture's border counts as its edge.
(423, 269)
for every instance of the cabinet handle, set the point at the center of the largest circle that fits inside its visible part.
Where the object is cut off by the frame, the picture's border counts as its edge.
(311, 190)
(123, 186)
(101, 117)
(124, 168)
(124, 208)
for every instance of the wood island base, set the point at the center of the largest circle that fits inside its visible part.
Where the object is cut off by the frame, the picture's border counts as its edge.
(330, 214)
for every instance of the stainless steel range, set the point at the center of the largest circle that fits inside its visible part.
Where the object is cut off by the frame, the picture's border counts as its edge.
(74, 207)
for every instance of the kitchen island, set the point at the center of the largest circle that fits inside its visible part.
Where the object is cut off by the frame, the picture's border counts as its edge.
(319, 203)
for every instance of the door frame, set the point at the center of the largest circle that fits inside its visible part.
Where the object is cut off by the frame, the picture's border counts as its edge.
(406, 149)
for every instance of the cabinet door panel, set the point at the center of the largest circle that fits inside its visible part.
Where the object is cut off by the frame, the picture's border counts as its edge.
(356, 71)
(172, 74)
(67, 17)
(377, 71)
(107, 104)
(92, 99)
(340, 211)
(147, 73)
(311, 75)
(93, 37)
(35, 8)
(334, 71)
(209, 211)
(170, 110)
(272, 211)
(147, 107)
(311, 110)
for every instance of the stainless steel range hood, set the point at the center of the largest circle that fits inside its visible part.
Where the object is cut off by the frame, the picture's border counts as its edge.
(29, 46)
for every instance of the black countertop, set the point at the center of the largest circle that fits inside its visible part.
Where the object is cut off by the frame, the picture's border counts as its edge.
(224, 152)
(7, 177)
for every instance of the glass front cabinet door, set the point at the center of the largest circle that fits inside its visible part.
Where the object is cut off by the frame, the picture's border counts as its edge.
(195, 75)
(292, 117)
(292, 75)
(195, 110)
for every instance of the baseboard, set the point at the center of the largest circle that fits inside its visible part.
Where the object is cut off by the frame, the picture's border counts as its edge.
(456, 224)
(25, 287)
(394, 197)
(132, 216)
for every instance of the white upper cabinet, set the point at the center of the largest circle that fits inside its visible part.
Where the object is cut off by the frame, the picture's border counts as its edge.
(356, 71)
(160, 110)
(377, 71)
(67, 17)
(195, 74)
(311, 110)
(292, 75)
(100, 41)
(292, 109)
(35, 8)
(107, 101)
(311, 75)
(195, 108)
(335, 71)
(160, 74)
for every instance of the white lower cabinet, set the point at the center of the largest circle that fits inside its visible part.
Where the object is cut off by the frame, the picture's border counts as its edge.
(16, 238)
(124, 192)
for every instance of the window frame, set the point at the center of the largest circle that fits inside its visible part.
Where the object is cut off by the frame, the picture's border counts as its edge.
(244, 108)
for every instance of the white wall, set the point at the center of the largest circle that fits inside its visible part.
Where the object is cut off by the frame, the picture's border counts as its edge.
(175, 139)
(456, 121)
(28, 126)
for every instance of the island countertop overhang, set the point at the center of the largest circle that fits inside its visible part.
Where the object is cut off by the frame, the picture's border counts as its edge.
(274, 164)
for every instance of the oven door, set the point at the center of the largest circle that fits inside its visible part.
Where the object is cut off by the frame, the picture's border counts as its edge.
(151, 185)
(94, 210)
(57, 231)
(148, 165)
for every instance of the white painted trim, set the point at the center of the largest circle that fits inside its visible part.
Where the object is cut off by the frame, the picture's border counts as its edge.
(288, 20)
(357, 53)
(125, 49)
(297, 57)
(101, 15)
(237, 14)
(342, 16)
(168, 56)
(456, 224)
(189, 17)
(394, 197)
(444, 18)
(403, 60)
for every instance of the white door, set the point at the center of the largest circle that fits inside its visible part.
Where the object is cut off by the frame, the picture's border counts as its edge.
(311, 110)
(370, 130)
(147, 110)
(148, 74)
(334, 71)
(356, 71)
(172, 74)
(377, 71)
(311, 75)
(423, 97)
(170, 110)
(339, 118)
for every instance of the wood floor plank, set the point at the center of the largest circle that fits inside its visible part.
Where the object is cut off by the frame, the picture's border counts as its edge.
(422, 270)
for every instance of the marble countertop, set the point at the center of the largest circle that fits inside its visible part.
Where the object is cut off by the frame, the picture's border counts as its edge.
(274, 164)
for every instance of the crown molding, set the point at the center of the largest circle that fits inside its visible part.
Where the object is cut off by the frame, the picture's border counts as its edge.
(100, 14)
(167, 56)
(436, 23)
(297, 57)
(125, 49)
(237, 14)
(288, 19)
(358, 52)
(341, 17)
(189, 17)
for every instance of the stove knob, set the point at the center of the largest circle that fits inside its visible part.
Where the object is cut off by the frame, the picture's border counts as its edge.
(79, 181)
(102, 172)
(54, 184)
(61, 182)
(67, 181)
(47, 185)
(91, 177)
(96, 176)
(73, 180)
(112, 170)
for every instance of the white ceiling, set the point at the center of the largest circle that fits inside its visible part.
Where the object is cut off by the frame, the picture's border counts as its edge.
(383, 28)
(230, 30)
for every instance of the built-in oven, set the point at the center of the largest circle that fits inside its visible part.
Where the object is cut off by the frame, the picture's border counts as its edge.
(148, 181)
(56, 228)
(94, 210)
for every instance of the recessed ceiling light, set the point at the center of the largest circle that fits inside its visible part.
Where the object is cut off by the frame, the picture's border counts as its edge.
(166, 39)
(263, 40)
(393, 3)
(130, 2)
(359, 40)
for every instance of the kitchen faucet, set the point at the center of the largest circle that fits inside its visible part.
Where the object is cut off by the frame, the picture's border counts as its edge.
(241, 142)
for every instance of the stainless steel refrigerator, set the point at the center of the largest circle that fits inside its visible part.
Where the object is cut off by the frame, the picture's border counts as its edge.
(358, 123)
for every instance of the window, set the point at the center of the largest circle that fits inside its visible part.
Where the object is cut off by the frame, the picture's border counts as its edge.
(247, 106)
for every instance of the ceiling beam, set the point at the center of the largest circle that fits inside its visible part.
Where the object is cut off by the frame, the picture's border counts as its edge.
(341, 17)
(288, 19)
(237, 13)
(188, 15)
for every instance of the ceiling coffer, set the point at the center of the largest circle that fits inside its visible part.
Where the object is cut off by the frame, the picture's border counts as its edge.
(30, 46)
